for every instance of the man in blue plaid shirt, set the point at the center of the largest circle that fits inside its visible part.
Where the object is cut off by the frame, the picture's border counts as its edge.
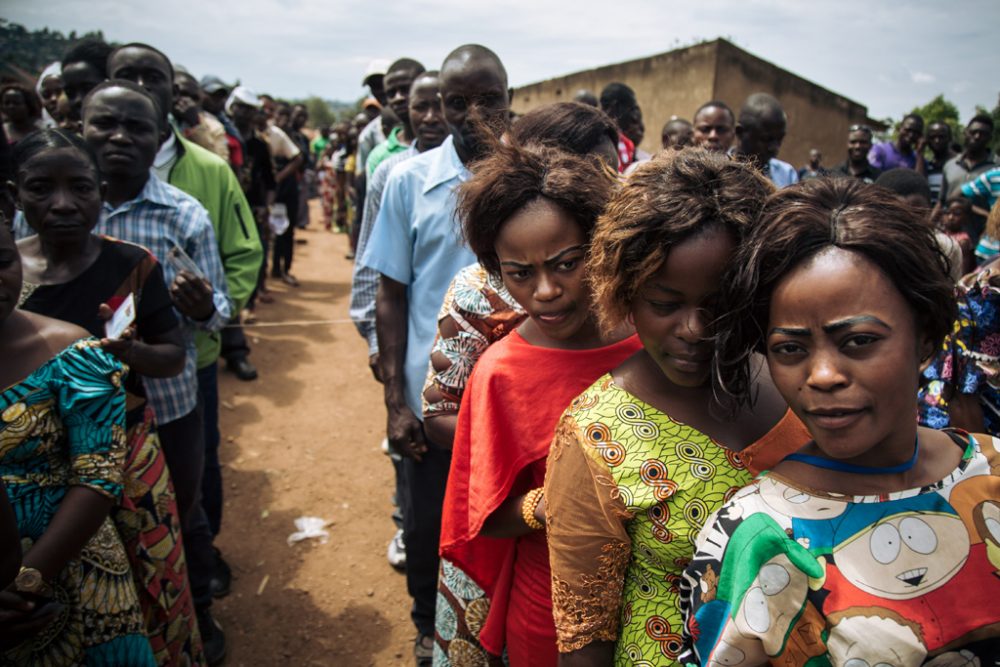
(124, 125)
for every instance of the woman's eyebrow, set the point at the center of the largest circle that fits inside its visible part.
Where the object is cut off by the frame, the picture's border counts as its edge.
(851, 321)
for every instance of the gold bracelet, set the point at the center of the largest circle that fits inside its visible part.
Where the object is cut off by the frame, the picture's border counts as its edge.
(528, 507)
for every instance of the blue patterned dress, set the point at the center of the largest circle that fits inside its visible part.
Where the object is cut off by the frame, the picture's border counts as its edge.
(968, 361)
(64, 426)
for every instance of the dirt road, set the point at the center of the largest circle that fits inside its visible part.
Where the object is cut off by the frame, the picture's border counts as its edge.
(303, 440)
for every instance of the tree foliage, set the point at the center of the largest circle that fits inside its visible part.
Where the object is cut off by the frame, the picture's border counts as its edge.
(939, 110)
(26, 52)
(320, 112)
(995, 115)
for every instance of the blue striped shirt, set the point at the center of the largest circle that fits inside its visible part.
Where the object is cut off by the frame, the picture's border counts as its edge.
(984, 190)
(364, 285)
(159, 216)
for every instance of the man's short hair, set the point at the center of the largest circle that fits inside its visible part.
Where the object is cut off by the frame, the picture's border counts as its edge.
(92, 51)
(147, 47)
(983, 118)
(904, 182)
(130, 86)
(617, 98)
(718, 104)
(861, 128)
(475, 52)
(757, 106)
(584, 96)
(674, 123)
(408, 65)
(914, 116)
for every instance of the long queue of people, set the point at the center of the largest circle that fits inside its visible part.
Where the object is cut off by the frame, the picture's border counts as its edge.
(144, 197)
(642, 409)
(663, 409)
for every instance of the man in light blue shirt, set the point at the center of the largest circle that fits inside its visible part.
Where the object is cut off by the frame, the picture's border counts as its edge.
(417, 250)
(759, 133)
(428, 128)
(415, 243)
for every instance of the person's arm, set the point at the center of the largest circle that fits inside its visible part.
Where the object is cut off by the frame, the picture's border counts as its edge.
(465, 332)
(443, 390)
(589, 550)
(159, 356)
(81, 512)
(440, 429)
(364, 283)
(95, 431)
(153, 345)
(508, 519)
(204, 301)
(920, 164)
(875, 156)
(240, 249)
(403, 430)
(289, 170)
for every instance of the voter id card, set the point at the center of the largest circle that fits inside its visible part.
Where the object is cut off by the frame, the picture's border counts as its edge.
(181, 261)
(123, 317)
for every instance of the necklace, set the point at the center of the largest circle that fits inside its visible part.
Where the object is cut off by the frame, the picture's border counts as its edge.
(839, 466)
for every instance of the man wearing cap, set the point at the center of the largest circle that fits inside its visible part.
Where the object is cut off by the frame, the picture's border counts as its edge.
(257, 172)
(213, 100)
(370, 137)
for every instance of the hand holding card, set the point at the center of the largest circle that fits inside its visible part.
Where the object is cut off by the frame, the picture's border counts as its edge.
(121, 319)
(181, 261)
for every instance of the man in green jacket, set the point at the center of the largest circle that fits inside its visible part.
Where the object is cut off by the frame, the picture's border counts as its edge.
(210, 180)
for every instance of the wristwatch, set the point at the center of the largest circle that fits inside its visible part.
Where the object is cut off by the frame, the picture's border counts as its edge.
(29, 580)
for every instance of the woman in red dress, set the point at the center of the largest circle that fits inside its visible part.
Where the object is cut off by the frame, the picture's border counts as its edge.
(528, 214)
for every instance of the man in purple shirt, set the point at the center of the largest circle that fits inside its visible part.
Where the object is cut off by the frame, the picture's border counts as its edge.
(905, 150)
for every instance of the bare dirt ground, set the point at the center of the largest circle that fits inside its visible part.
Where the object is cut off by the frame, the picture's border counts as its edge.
(303, 440)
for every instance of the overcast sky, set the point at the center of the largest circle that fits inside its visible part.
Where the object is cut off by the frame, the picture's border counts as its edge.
(889, 56)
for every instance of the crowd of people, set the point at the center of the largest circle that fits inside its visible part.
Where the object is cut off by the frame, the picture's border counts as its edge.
(698, 407)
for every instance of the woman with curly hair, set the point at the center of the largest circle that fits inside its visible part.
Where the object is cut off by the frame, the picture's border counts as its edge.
(528, 214)
(878, 541)
(644, 455)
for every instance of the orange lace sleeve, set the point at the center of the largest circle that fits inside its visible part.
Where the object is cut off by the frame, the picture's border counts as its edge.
(589, 548)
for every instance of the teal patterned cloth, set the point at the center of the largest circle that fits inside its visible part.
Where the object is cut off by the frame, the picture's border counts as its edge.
(64, 426)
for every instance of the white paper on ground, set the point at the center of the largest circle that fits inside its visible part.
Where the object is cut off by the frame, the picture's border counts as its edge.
(309, 527)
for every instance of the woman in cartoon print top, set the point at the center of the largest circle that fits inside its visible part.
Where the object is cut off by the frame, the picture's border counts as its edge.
(878, 543)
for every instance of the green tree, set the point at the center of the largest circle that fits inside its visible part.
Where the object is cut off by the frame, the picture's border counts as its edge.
(320, 113)
(937, 110)
(995, 115)
(25, 53)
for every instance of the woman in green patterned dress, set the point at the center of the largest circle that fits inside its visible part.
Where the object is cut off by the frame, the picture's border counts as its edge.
(644, 456)
(62, 449)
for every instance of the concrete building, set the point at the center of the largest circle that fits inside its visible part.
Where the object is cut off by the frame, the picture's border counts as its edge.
(678, 82)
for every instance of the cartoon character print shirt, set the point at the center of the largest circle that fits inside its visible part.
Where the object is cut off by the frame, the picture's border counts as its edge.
(791, 576)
